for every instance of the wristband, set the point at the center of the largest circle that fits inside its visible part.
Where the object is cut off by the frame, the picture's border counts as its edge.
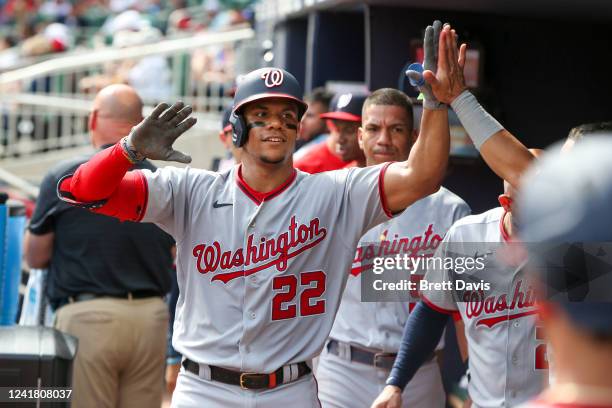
(478, 123)
(132, 155)
(395, 382)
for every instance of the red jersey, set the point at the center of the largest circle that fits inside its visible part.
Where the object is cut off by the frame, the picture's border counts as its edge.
(319, 159)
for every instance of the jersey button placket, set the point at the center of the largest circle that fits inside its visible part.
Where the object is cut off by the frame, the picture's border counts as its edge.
(250, 311)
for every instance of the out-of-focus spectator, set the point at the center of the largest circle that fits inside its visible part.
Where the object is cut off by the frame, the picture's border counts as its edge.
(56, 37)
(9, 54)
(150, 76)
(312, 127)
(16, 10)
(106, 278)
(91, 13)
(55, 10)
(130, 20)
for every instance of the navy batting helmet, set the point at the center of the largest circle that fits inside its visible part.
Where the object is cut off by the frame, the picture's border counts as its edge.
(263, 83)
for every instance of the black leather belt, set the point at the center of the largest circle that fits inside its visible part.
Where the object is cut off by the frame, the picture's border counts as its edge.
(137, 294)
(359, 355)
(246, 381)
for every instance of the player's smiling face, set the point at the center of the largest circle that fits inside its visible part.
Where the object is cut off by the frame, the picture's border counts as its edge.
(273, 127)
(386, 134)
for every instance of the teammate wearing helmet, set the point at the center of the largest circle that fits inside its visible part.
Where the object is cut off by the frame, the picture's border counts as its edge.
(563, 216)
(262, 248)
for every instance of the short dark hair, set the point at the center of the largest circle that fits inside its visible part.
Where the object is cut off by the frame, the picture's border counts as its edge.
(390, 97)
(320, 95)
(577, 133)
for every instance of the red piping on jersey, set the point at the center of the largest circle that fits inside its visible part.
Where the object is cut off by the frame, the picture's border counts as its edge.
(257, 196)
(502, 228)
(492, 321)
(145, 186)
(381, 189)
(437, 308)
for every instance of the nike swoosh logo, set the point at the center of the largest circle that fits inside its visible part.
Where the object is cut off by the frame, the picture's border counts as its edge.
(217, 204)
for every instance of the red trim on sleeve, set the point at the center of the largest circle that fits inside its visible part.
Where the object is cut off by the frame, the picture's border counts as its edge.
(98, 178)
(381, 189)
(456, 316)
(128, 202)
(437, 308)
(145, 186)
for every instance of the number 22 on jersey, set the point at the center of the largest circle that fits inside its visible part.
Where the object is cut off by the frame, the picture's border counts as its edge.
(308, 288)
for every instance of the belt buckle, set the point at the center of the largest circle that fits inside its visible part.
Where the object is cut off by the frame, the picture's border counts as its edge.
(243, 379)
(378, 357)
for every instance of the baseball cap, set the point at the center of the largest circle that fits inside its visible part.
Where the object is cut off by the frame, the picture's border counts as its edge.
(346, 106)
(564, 218)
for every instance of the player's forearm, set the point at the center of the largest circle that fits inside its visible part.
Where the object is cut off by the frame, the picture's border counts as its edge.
(422, 173)
(104, 185)
(422, 333)
(99, 177)
(506, 156)
(503, 152)
(429, 156)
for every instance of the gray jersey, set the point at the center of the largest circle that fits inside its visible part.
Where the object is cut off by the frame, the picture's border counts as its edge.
(506, 352)
(260, 280)
(417, 231)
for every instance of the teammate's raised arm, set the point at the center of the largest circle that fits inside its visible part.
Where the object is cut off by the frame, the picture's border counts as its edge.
(502, 152)
(421, 175)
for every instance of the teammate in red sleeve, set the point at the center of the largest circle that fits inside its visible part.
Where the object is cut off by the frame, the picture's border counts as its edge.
(341, 148)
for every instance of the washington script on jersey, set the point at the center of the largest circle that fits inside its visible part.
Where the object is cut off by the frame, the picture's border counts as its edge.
(212, 258)
(477, 304)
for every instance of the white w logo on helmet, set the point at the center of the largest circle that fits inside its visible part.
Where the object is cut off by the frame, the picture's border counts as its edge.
(273, 77)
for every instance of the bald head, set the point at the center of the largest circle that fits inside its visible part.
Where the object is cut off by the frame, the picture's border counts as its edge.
(116, 109)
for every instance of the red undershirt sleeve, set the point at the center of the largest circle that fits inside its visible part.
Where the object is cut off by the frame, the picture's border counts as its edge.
(104, 186)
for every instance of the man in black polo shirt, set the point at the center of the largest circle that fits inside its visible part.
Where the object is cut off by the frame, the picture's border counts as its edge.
(106, 277)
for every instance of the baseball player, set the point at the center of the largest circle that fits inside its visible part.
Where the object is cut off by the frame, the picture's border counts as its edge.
(502, 341)
(366, 336)
(232, 153)
(566, 199)
(262, 250)
(341, 148)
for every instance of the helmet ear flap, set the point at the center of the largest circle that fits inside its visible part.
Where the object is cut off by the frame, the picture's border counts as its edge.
(240, 131)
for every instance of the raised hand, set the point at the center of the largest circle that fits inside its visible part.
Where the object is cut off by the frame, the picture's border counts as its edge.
(447, 82)
(153, 137)
(430, 63)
